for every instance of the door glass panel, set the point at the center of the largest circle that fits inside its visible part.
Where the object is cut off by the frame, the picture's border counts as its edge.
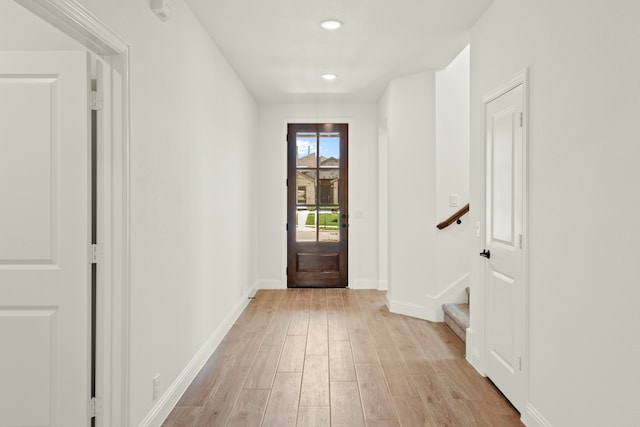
(502, 179)
(306, 224)
(329, 149)
(328, 186)
(329, 224)
(306, 187)
(306, 149)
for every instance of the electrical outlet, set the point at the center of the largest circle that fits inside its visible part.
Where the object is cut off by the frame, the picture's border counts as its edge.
(156, 386)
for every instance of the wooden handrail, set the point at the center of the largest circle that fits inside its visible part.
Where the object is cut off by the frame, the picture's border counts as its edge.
(453, 218)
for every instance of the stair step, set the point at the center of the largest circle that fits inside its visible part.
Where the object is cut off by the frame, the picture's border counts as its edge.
(456, 316)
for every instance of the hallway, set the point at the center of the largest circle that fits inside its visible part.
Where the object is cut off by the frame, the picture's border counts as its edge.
(320, 357)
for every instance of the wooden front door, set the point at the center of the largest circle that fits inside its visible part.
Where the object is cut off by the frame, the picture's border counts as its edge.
(317, 207)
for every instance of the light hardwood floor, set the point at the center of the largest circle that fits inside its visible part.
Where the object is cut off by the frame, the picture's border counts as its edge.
(338, 357)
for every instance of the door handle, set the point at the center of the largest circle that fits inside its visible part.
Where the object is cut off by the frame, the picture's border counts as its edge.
(485, 253)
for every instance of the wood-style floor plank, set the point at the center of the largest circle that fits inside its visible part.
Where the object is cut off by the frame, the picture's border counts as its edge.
(282, 409)
(338, 357)
(250, 407)
(314, 416)
(315, 382)
(264, 368)
(341, 367)
(292, 357)
(183, 416)
(376, 400)
(346, 410)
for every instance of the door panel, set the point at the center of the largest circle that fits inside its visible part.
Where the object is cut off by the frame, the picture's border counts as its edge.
(44, 269)
(504, 211)
(317, 212)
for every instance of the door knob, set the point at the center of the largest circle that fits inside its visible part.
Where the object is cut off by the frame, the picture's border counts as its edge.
(485, 253)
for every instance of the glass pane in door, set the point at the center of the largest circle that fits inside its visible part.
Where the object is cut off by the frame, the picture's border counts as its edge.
(306, 149)
(306, 224)
(329, 149)
(329, 224)
(328, 186)
(306, 187)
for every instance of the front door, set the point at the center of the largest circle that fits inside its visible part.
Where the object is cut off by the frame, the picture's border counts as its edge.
(504, 227)
(44, 245)
(317, 213)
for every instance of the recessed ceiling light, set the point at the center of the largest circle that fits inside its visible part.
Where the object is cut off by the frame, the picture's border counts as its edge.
(331, 24)
(329, 76)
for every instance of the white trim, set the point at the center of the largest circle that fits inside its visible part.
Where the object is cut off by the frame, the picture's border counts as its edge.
(364, 284)
(73, 19)
(533, 418)
(165, 404)
(284, 176)
(474, 356)
(454, 293)
(383, 285)
(521, 78)
(407, 309)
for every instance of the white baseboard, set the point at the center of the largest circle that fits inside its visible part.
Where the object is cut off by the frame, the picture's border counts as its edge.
(454, 293)
(170, 398)
(531, 417)
(383, 285)
(406, 308)
(473, 353)
(364, 284)
(271, 284)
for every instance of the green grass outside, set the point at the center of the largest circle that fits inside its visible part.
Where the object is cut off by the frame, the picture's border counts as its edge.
(328, 221)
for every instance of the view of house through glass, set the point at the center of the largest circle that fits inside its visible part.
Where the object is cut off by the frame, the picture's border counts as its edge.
(317, 178)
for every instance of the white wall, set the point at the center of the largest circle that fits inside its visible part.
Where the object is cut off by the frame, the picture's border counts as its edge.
(193, 137)
(363, 197)
(584, 298)
(408, 110)
(452, 177)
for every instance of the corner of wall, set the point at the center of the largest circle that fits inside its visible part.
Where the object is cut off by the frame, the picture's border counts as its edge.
(407, 309)
(473, 352)
(454, 293)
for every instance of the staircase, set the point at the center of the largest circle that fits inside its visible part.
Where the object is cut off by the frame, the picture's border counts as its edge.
(456, 316)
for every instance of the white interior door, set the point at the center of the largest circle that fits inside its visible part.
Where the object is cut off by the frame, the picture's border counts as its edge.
(44, 229)
(503, 231)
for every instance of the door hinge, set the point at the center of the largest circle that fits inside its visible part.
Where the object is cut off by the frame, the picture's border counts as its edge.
(95, 254)
(520, 240)
(96, 100)
(287, 271)
(287, 182)
(520, 363)
(287, 227)
(521, 119)
(95, 407)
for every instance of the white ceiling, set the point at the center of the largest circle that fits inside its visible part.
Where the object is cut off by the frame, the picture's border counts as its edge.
(279, 50)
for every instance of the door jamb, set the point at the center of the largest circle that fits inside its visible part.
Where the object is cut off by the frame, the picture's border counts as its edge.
(521, 78)
(73, 19)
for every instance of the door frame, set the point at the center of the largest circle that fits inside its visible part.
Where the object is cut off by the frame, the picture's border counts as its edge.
(283, 179)
(73, 19)
(521, 78)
